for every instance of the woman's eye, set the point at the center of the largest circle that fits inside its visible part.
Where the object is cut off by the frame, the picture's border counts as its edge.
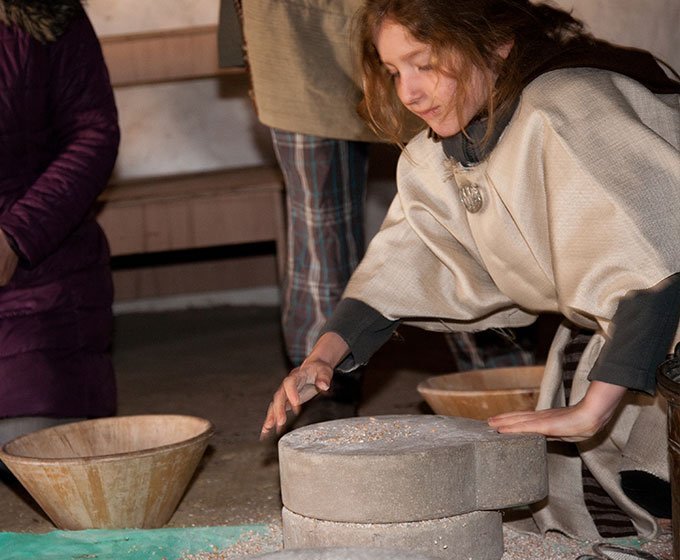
(425, 67)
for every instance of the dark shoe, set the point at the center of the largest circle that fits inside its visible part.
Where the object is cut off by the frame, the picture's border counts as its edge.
(649, 492)
(606, 551)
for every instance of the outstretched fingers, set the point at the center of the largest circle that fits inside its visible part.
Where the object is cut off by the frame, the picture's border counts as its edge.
(566, 423)
(298, 387)
(276, 413)
(518, 422)
(577, 422)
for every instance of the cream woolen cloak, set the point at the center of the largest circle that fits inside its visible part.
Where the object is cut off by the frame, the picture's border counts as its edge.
(581, 205)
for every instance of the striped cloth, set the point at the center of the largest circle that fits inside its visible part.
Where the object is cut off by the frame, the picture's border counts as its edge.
(492, 348)
(610, 520)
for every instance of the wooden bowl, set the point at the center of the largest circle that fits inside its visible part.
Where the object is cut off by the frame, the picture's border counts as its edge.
(483, 393)
(110, 473)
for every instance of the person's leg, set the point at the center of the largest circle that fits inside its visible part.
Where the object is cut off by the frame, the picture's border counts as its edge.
(325, 191)
(11, 428)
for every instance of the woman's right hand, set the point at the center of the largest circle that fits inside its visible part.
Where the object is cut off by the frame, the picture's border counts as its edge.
(304, 382)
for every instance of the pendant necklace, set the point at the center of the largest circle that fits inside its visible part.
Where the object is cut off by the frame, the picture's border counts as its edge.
(471, 197)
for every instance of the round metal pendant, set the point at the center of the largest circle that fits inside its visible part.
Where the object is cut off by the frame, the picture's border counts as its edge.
(471, 197)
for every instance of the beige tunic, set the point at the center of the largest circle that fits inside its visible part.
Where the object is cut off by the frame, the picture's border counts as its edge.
(581, 204)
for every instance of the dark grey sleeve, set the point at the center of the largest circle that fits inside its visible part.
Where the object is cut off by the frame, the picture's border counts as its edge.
(643, 329)
(363, 328)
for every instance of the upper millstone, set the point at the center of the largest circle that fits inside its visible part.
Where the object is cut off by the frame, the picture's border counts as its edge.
(403, 468)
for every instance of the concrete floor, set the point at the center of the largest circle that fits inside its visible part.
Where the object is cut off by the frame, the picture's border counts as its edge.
(224, 364)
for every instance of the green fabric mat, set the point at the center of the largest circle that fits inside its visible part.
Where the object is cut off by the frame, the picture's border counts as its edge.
(133, 544)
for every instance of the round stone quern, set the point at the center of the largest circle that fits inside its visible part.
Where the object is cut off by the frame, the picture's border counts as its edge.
(407, 468)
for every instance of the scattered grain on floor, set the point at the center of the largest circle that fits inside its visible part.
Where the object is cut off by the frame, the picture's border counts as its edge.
(518, 546)
(555, 546)
(250, 545)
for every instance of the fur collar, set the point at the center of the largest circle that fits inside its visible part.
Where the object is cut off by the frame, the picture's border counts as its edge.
(45, 20)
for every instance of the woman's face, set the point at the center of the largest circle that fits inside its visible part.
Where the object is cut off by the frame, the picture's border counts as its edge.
(425, 91)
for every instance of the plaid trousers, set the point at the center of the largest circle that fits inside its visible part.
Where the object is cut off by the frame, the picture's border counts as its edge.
(325, 193)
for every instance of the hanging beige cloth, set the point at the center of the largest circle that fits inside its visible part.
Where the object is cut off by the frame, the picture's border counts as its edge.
(563, 228)
(302, 69)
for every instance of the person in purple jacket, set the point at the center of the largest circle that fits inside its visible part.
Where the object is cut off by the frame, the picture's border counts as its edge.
(59, 140)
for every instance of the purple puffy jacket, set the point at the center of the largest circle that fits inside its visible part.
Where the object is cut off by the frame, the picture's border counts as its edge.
(59, 139)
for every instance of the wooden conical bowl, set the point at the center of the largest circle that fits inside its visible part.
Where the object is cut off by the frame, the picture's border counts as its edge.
(110, 473)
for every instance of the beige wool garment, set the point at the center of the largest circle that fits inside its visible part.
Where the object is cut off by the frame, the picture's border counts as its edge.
(302, 66)
(581, 205)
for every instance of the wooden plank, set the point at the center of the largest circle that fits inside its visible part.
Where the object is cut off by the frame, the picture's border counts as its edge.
(162, 56)
(166, 225)
(195, 277)
(124, 229)
(195, 211)
(246, 179)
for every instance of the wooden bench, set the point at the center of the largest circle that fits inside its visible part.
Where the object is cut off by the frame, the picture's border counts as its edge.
(186, 211)
(195, 211)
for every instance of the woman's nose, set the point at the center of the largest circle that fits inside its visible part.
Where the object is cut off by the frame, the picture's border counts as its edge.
(409, 91)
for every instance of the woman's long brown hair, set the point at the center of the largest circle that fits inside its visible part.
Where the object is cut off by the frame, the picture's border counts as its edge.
(472, 31)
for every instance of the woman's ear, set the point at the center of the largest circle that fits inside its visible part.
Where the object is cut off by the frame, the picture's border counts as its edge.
(504, 50)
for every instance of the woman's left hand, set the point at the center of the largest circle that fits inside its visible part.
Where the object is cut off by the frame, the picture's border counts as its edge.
(572, 423)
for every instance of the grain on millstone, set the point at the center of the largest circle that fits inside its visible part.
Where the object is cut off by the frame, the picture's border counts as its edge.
(364, 432)
(390, 433)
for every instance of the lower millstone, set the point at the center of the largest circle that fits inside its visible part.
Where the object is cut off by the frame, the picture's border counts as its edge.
(477, 535)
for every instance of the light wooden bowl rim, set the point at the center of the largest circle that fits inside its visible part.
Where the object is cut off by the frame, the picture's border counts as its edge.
(425, 388)
(208, 429)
